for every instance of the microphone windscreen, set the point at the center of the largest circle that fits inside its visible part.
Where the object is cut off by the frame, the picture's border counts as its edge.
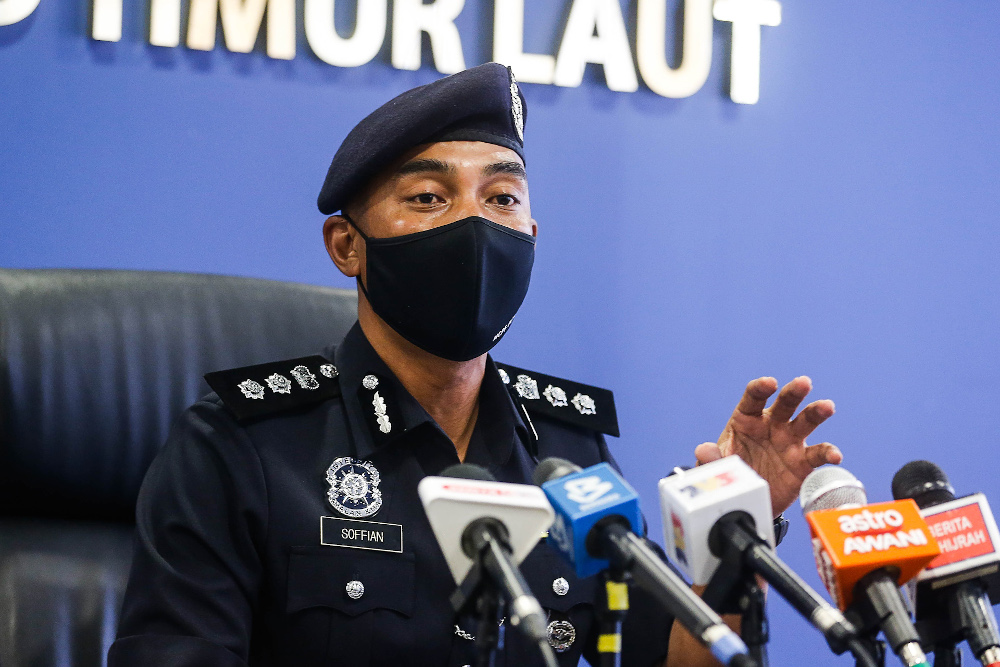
(468, 471)
(831, 487)
(923, 481)
(553, 468)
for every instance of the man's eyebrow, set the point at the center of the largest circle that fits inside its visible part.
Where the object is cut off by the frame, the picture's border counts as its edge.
(506, 167)
(425, 165)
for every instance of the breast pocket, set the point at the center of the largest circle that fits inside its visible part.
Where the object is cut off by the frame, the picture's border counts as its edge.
(362, 593)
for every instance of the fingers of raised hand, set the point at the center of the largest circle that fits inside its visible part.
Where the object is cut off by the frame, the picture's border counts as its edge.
(811, 416)
(823, 453)
(789, 398)
(755, 397)
(707, 452)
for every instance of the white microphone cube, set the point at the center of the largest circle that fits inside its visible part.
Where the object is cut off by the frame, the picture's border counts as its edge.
(452, 503)
(692, 501)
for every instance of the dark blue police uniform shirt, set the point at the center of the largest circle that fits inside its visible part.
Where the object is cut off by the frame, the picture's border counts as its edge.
(229, 569)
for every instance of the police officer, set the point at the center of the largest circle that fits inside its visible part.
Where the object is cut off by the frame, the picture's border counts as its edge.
(280, 524)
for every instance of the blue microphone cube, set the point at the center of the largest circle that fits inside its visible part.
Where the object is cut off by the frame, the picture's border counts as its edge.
(580, 500)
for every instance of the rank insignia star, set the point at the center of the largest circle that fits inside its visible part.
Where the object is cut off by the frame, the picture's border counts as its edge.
(584, 404)
(252, 389)
(556, 396)
(354, 488)
(526, 387)
(279, 384)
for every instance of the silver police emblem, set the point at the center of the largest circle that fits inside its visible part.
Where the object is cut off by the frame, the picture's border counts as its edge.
(353, 487)
(369, 382)
(279, 384)
(584, 404)
(381, 417)
(556, 396)
(526, 387)
(561, 635)
(329, 370)
(252, 389)
(516, 110)
(503, 376)
(560, 586)
(305, 377)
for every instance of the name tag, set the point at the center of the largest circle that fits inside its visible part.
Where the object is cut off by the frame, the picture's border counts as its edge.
(353, 534)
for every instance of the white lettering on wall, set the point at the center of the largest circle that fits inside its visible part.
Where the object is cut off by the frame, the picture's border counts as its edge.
(107, 20)
(241, 20)
(165, 22)
(437, 19)
(508, 44)
(12, 11)
(747, 17)
(696, 47)
(363, 44)
(595, 33)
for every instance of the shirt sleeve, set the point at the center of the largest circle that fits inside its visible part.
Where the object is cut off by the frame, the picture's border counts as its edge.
(201, 520)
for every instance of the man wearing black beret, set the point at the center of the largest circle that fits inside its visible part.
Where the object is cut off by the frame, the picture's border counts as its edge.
(280, 524)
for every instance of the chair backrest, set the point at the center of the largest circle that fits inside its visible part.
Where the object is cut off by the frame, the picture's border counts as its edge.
(95, 365)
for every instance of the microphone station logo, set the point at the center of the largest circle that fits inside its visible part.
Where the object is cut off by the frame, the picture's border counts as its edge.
(590, 492)
(711, 484)
(849, 543)
(963, 529)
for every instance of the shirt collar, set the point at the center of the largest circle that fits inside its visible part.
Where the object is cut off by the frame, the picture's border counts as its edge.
(499, 417)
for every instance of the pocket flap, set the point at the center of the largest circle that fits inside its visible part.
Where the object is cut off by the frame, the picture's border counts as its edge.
(319, 577)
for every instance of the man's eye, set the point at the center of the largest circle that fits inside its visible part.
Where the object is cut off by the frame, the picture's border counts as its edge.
(506, 200)
(426, 198)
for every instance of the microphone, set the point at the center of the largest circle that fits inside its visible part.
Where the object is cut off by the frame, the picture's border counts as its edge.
(865, 552)
(596, 527)
(954, 592)
(495, 525)
(722, 510)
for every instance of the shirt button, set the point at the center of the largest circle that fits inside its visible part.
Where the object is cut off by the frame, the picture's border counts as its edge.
(560, 586)
(355, 589)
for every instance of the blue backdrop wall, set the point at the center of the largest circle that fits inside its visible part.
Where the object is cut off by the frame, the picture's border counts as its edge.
(843, 227)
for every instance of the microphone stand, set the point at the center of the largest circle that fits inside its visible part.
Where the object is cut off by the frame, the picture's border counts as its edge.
(482, 595)
(612, 614)
(733, 589)
(867, 634)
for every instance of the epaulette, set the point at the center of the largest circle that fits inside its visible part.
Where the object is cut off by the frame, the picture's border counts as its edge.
(579, 404)
(258, 391)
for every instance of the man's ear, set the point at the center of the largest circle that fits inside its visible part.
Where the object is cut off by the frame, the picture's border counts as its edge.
(341, 244)
(534, 228)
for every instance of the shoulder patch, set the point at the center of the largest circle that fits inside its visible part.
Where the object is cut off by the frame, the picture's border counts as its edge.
(266, 389)
(579, 404)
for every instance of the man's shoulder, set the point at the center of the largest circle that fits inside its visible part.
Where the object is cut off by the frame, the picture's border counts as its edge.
(567, 401)
(256, 392)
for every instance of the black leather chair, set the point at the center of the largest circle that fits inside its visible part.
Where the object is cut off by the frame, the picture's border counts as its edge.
(94, 367)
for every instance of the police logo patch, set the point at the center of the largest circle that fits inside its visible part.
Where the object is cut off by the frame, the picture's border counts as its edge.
(353, 487)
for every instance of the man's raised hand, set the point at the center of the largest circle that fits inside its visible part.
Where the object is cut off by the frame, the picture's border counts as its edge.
(771, 441)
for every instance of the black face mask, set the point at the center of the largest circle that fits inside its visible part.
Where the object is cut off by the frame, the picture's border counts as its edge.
(452, 290)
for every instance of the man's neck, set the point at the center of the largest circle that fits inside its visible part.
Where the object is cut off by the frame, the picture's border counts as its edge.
(447, 390)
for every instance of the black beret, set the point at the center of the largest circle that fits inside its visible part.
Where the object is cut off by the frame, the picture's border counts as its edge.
(483, 103)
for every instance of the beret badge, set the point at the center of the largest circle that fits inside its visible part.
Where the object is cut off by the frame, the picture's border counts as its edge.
(516, 111)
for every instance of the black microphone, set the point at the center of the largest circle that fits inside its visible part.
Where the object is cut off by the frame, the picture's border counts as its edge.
(953, 593)
(877, 600)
